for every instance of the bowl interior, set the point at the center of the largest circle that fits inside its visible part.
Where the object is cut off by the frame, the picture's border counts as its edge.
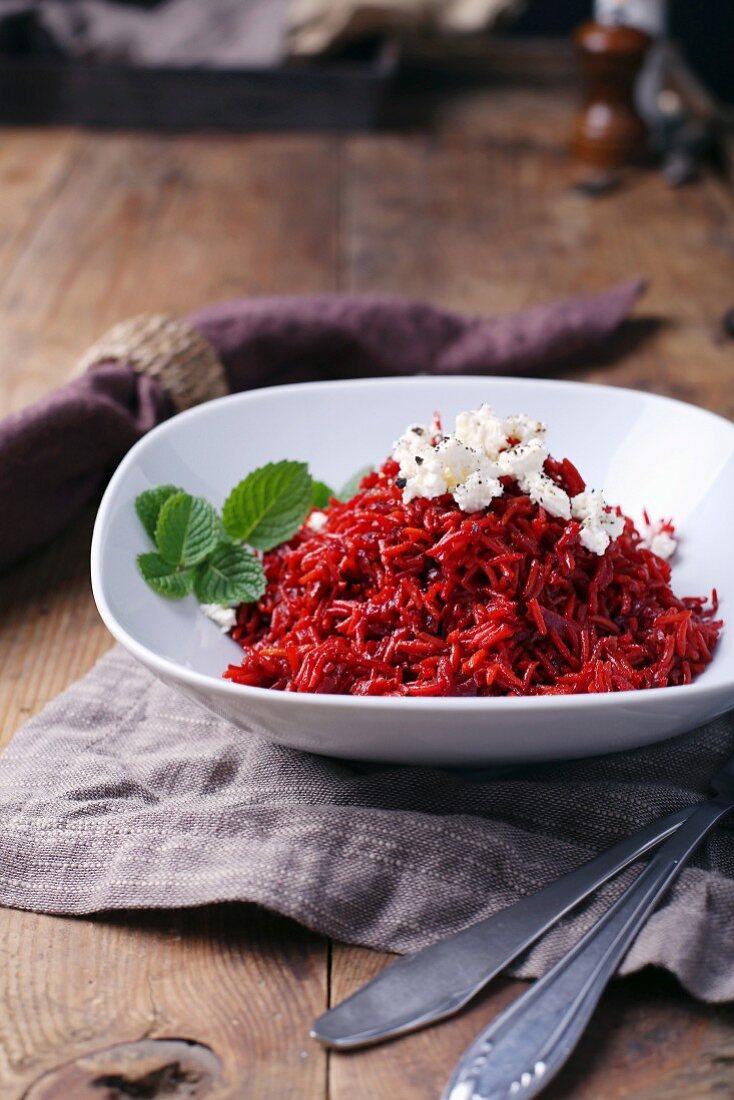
(644, 451)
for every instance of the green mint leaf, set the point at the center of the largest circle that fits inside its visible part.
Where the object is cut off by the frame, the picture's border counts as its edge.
(166, 579)
(269, 506)
(186, 531)
(222, 535)
(231, 575)
(321, 494)
(351, 488)
(148, 506)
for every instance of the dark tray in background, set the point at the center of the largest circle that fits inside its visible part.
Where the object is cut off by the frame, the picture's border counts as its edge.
(341, 93)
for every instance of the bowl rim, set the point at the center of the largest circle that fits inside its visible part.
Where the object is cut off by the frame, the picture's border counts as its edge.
(170, 669)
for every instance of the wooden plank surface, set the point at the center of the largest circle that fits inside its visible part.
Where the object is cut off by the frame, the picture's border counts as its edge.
(647, 1042)
(477, 214)
(101, 227)
(238, 982)
(138, 222)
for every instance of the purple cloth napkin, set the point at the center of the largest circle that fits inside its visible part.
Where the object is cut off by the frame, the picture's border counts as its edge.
(58, 453)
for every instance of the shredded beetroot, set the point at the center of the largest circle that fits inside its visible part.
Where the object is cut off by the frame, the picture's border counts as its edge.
(423, 599)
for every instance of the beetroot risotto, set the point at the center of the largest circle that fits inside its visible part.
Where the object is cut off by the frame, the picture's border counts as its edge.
(398, 592)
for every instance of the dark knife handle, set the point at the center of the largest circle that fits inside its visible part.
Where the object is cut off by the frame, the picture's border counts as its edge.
(523, 1049)
(431, 984)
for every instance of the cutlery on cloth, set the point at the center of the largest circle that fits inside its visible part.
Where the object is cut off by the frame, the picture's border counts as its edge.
(436, 982)
(522, 1050)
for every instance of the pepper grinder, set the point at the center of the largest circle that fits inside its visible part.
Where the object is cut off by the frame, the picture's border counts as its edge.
(608, 132)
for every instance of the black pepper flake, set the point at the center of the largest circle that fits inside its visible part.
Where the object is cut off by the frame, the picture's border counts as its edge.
(401, 482)
(418, 431)
(418, 460)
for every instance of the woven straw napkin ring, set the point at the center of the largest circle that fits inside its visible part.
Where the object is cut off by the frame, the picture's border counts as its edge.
(167, 349)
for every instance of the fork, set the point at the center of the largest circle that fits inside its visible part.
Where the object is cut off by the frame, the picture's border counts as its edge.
(522, 1050)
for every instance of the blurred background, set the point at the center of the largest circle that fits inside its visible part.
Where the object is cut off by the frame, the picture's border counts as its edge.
(260, 64)
(705, 32)
(484, 155)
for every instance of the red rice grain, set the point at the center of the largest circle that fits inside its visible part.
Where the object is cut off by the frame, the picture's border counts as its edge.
(424, 599)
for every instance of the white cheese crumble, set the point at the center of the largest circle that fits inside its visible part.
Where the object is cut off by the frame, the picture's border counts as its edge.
(663, 544)
(224, 617)
(316, 521)
(543, 490)
(658, 538)
(486, 447)
(598, 526)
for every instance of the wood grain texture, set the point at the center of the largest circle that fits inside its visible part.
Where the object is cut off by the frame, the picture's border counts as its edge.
(172, 1067)
(489, 226)
(93, 229)
(240, 982)
(473, 209)
(140, 222)
(648, 1040)
(33, 168)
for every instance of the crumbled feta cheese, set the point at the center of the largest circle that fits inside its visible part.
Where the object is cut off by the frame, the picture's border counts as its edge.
(594, 538)
(224, 617)
(598, 524)
(415, 440)
(481, 430)
(544, 491)
(485, 448)
(422, 474)
(477, 492)
(317, 521)
(457, 461)
(449, 466)
(659, 539)
(663, 544)
(523, 428)
(523, 460)
(588, 505)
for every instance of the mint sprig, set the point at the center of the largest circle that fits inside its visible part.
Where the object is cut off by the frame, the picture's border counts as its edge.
(199, 551)
(186, 531)
(230, 575)
(351, 487)
(268, 507)
(148, 506)
(321, 494)
(167, 580)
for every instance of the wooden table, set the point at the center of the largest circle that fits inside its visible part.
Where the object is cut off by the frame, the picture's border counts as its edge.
(472, 209)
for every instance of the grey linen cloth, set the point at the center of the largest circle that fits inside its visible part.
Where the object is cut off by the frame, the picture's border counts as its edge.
(121, 795)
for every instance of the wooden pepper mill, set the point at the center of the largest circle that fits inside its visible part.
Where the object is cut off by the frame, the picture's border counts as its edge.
(608, 132)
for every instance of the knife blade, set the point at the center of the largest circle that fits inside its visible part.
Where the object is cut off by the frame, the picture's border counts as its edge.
(520, 1052)
(436, 982)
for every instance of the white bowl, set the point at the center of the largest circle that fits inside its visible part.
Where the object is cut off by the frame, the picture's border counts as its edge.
(645, 451)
